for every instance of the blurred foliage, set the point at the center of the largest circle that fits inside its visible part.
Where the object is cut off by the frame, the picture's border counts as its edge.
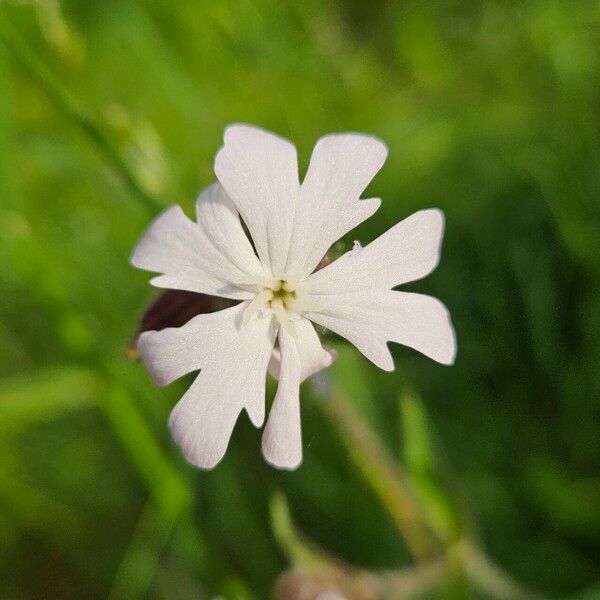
(110, 110)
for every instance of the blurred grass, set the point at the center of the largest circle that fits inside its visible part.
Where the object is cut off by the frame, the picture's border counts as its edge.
(491, 112)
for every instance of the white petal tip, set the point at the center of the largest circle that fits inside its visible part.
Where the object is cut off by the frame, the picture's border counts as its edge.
(246, 131)
(201, 462)
(234, 128)
(256, 415)
(192, 451)
(144, 346)
(143, 248)
(448, 359)
(284, 463)
(368, 145)
(373, 203)
(448, 351)
(385, 362)
(282, 442)
(435, 216)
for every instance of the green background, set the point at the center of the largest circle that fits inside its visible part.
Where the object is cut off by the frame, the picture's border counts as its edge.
(111, 110)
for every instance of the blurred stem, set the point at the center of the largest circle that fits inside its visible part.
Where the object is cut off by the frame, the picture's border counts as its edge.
(171, 497)
(63, 100)
(166, 484)
(390, 483)
(421, 461)
(141, 564)
(462, 558)
(488, 577)
(138, 567)
(308, 559)
(296, 549)
(383, 474)
(413, 582)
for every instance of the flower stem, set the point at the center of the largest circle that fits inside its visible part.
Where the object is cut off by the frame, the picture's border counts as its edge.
(390, 483)
(489, 578)
(384, 475)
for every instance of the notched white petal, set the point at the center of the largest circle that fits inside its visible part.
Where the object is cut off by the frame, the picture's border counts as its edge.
(188, 257)
(259, 171)
(341, 167)
(371, 319)
(201, 430)
(233, 363)
(282, 436)
(220, 220)
(163, 364)
(408, 251)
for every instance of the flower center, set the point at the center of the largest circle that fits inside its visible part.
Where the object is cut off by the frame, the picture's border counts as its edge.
(283, 293)
(278, 296)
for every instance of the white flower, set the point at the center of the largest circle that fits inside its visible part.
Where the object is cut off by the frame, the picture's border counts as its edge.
(292, 226)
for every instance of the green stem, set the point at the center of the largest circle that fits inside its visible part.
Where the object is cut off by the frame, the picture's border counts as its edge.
(488, 577)
(138, 567)
(413, 582)
(298, 550)
(383, 474)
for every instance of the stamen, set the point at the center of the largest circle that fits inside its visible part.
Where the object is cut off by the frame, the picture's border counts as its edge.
(278, 295)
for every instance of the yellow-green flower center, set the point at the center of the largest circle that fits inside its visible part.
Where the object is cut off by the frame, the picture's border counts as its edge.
(278, 295)
(282, 293)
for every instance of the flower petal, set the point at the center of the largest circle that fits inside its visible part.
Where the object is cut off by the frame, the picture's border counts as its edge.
(173, 352)
(282, 436)
(233, 359)
(341, 167)
(369, 319)
(220, 220)
(408, 251)
(313, 357)
(259, 170)
(212, 257)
